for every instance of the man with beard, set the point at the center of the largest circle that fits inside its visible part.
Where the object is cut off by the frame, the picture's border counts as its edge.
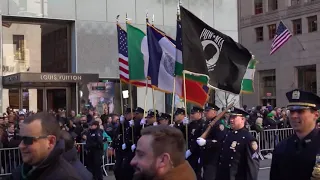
(210, 145)
(239, 155)
(298, 157)
(41, 150)
(160, 155)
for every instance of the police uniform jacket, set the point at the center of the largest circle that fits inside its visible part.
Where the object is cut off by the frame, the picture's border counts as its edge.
(294, 159)
(239, 157)
(194, 131)
(181, 127)
(213, 142)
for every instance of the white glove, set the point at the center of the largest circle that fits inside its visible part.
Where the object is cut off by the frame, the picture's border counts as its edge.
(188, 153)
(124, 146)
(131, 123)
(133, 147)
(199, 161)
(185, 121)
(143, 121)
(201, 141)
(155, 124)
(171, 125)
(121, 119)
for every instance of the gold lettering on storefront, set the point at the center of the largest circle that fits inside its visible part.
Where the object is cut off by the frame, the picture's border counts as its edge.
(55, 77)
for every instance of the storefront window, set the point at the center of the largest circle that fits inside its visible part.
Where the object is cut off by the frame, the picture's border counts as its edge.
(268, 87)
(307, 78)
(35, 47)
(105, 94)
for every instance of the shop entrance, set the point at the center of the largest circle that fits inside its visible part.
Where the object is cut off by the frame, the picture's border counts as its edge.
(44, 91)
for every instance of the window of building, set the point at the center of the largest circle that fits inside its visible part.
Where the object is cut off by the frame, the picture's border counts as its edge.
(272, 30)
(295, 2)
(35, 47)
(19, 47)
(312, 23)
(307, 78)
(258, 6)
(268, 87)
(273, 5)
(297, 26)
(259, 34)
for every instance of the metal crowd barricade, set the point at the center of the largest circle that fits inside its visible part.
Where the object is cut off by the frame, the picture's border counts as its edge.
(10, 159)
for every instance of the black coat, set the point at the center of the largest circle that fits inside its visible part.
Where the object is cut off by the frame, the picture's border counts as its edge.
(55, 167)
(72, 157)
(295, 158)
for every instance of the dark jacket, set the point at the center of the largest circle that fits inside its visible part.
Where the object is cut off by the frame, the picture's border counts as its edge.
(55, 167)
(72, 157)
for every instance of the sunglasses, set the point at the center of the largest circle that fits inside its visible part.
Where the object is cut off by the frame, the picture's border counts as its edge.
(28, 140)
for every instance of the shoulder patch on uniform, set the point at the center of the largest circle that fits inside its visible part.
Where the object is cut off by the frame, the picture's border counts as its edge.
(221, 127)
(254, 145)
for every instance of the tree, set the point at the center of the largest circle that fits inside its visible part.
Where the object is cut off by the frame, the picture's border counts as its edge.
(223, 98)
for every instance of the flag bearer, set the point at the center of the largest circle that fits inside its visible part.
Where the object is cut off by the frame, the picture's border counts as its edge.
(180, 120)
(212, 144)
(195, 131)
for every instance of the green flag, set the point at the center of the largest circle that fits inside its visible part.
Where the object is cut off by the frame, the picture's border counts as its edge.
(137, 53)
(247, 81)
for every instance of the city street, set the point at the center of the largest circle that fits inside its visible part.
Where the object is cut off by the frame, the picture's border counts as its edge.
(263, 173)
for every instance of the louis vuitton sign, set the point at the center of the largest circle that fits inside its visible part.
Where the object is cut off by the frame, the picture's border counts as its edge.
(60, 78)
(49, 78)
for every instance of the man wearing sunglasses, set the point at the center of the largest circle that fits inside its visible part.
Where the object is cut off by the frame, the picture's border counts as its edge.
(41, 151)
(298, 157)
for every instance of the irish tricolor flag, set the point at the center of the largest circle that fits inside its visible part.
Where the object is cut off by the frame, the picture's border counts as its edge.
(137, 53)
(247, 82)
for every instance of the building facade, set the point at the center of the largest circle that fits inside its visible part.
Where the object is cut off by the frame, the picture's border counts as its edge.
(297, 63)
(63, 53)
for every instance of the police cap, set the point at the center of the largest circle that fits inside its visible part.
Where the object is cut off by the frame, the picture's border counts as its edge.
(299, 99)
(151, 113)
(139, 110)
(164, 116)
(196, 109)
(180, 111)
(211, 106)
(238, 112)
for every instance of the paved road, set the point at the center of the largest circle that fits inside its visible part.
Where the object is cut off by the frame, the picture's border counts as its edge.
(263, 173)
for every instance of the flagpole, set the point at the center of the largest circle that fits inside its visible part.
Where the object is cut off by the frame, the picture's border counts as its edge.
(185, 103)
(121, 97)
(294, 36)
(173, 99)
(145, 101)
(154, 104)
(131, 99)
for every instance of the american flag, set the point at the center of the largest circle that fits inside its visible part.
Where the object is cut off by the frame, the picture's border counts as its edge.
(282, 36)
(123, 58)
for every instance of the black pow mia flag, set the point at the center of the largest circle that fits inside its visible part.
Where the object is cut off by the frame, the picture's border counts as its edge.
(212, 53)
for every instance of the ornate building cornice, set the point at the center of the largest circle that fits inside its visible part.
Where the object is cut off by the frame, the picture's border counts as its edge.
(290, 12)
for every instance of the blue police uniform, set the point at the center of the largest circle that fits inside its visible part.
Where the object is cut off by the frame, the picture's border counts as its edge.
(210, 151)
(180, 125)
(195, 131)
(296, 158)
(239, 155)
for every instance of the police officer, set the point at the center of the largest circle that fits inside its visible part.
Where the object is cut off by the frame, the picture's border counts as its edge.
(297, 158)
(180, 120)
(164, 119)
(138, 117)
(151, 119)
(239, 155)
(212, 144)
(94, 146)
(195, 131)
(122, 143)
